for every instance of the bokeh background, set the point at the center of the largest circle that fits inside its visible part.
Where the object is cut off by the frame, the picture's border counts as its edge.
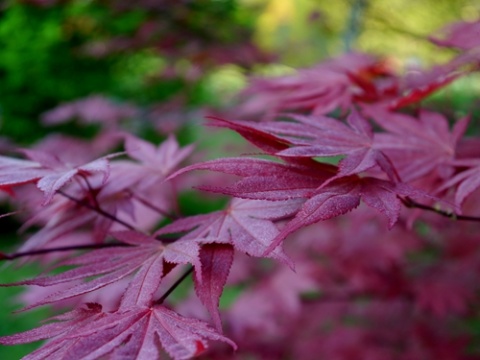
(159, 66)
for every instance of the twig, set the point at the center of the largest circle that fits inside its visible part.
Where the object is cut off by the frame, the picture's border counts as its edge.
(174, 286)
(98, 209)
(154, 207)
(409, 203)
(60, 249)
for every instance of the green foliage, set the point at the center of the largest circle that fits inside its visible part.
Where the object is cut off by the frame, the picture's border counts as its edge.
(40, 67)
(9, 302)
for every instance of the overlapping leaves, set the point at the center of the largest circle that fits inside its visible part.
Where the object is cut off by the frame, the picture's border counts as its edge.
(142, 255)
(136, 333)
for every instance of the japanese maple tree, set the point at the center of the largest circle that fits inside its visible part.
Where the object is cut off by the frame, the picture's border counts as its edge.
(350, 231)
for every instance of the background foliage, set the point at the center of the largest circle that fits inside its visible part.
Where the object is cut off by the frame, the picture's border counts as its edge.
(55, 52)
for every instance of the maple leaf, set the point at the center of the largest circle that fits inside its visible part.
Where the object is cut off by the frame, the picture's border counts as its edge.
(57, 220)
(254, 133)
(264, 179)
(161, 160)
(462, 35)
(467, 181)
(62, 324)
(62, 173)
(297, 142)
(343, 195)
(374, 83)
(354, 79)
(445, 289)
(418, 85)
(216, 260)
(92, 109)
(395, 93)
(271, 304)
(48, 170)
(145, 256)
(17, 172)
(319, 89)
(64, 216)
(320, 136)
(428, 84)
(417, 146)
(246, 224)
(133, 334)
(74, 151)
(117, 197)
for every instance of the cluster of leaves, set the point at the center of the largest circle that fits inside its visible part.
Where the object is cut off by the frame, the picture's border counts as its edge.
(390, 275)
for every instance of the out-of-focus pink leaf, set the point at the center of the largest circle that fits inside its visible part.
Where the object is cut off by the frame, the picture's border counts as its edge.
(461, 35)
(162, 159)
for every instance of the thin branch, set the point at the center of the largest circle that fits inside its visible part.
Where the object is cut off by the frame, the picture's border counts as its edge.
(174, 286)
(409, 203)
(167, 240)
(176, 205)
(91, 191)
(98, 210)
(60, 249)
(154, 207)
(10, 213)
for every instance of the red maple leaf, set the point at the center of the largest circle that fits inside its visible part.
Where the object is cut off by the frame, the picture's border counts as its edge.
(48, 171)
(216, 260)
(265, 179)
(446, 288)
(274, 302)
(321, 136)
(158, 160)
(134, 334)
(17, 171)
(467, 181)
(246, 224)
(145, 257)
(253, 132)
(416, 146)
(92, 109)
(429, 85)
(320, 89)
(343, 195)
(462, 35)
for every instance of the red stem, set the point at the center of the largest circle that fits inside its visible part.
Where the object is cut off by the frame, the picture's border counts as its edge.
(154, 207)
(60, 249)
(99, 210)
(409, 203)
(174, 286)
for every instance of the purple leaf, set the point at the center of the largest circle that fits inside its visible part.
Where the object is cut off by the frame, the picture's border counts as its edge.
(216, 260)
(135, 334)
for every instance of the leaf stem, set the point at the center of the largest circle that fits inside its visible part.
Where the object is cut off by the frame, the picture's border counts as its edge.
(174, 286)
(153, 207)
(60, 249)
(98, 209)
(10, 213)
(91, 192)
(409, 203)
